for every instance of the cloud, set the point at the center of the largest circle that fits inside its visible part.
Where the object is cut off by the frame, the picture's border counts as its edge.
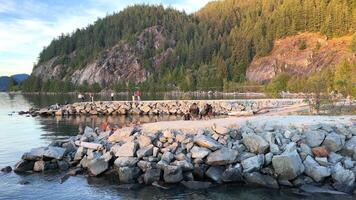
(26, 26)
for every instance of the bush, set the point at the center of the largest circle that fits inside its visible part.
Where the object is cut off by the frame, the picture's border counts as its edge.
(278, 84)
(302, 45)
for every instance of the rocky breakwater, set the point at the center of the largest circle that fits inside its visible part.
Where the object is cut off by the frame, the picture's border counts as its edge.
(305, 156)
(177, 107)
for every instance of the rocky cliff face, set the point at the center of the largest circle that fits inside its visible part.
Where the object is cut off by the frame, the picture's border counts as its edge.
(120, 64)
(300, 55)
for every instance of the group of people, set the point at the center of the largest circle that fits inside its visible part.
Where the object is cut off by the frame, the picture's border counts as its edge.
(195, 113)
(136, 96)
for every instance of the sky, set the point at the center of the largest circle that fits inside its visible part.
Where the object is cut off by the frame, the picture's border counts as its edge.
(27, 26)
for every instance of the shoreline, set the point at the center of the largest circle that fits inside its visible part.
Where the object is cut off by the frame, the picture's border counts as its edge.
(269, 151)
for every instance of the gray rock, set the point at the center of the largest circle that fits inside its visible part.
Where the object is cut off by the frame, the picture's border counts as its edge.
(305, 150)
(288, 165)
(334, 142)
(145, 151)
(350, 147)
(151, 176)
(81, 151)
(215, 173)
(196, 185)
(344, 180)
(167, 157)
(144, 141)
(323, 161)
(172, 174)
(24, 166)
(6, 169)
(34, 154)
(220, 129)
(334, 157)
(128, 174)
(315, 189)
(127, 150)
(232, 174)
(275, 149)
(257, 178)
(255, 143)
(314, 170)
(222, 156)
(63, 165)
(199, 152)
(292, 146)
(41, 166)
(315, 138)
(348, 163)
(97, 166)
(183, 164)
(125, 161)
(253, 164)
(207, 142)
(145, 165)
(54, 152)
(268, 158)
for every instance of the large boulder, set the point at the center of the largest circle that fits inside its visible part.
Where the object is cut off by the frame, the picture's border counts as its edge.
(334, 142)
(350, 147)
(232, 174)
(288, 165)
(54, 152)
(215, 173)
(253, 163)
(145, 151)
(257, 178)
(172, 174)
(344, 180)
(314, 170)
(128, 174)
(127, 150)
(255, 143)
(144, 141)
(222, 156)
(314, 138)
(207, 142)
(196, 185)
(125, 161)
(199, 152)
(79, 154)
(151, 176)
(97, 166)
(24, 166)
(183, 164)
(121, 134)
(34, 154)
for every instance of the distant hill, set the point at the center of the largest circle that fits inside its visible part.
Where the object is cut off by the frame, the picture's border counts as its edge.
(6, 81)
(226, 42)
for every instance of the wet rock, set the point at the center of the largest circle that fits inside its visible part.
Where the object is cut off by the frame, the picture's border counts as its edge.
(344, 180)
(127, 150)
(232, 174)
(183, 164)
(35, 154)
(257, 178)
(207, 142)
(255, 143)
(125, 162)
(222, 156)
(196, 185)
(128, 174)
(6, 169)
(151, 176)
(314, 138)
(253, 163)
(41, 166)
(54, 152)
(314, 170)
(315, 189)
(215, 173)
(24, 166)
(145, 151)
(145, 165)
(24, 182)
(334, 142)
(199, 171)
(199, 152)
(97, 166)
(288, 165)
(172, 174)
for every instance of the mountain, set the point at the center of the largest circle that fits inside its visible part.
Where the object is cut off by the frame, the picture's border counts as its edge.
(6, 81)
(226, 42)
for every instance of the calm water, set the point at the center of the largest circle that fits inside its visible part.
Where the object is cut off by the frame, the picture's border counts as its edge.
(19, 134)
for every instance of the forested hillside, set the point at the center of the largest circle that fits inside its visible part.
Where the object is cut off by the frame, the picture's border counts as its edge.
(162, 49)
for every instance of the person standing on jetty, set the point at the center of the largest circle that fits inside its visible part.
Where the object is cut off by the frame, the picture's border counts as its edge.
(137, 95)
(112, 96)
(81, 97)
(92, 98)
